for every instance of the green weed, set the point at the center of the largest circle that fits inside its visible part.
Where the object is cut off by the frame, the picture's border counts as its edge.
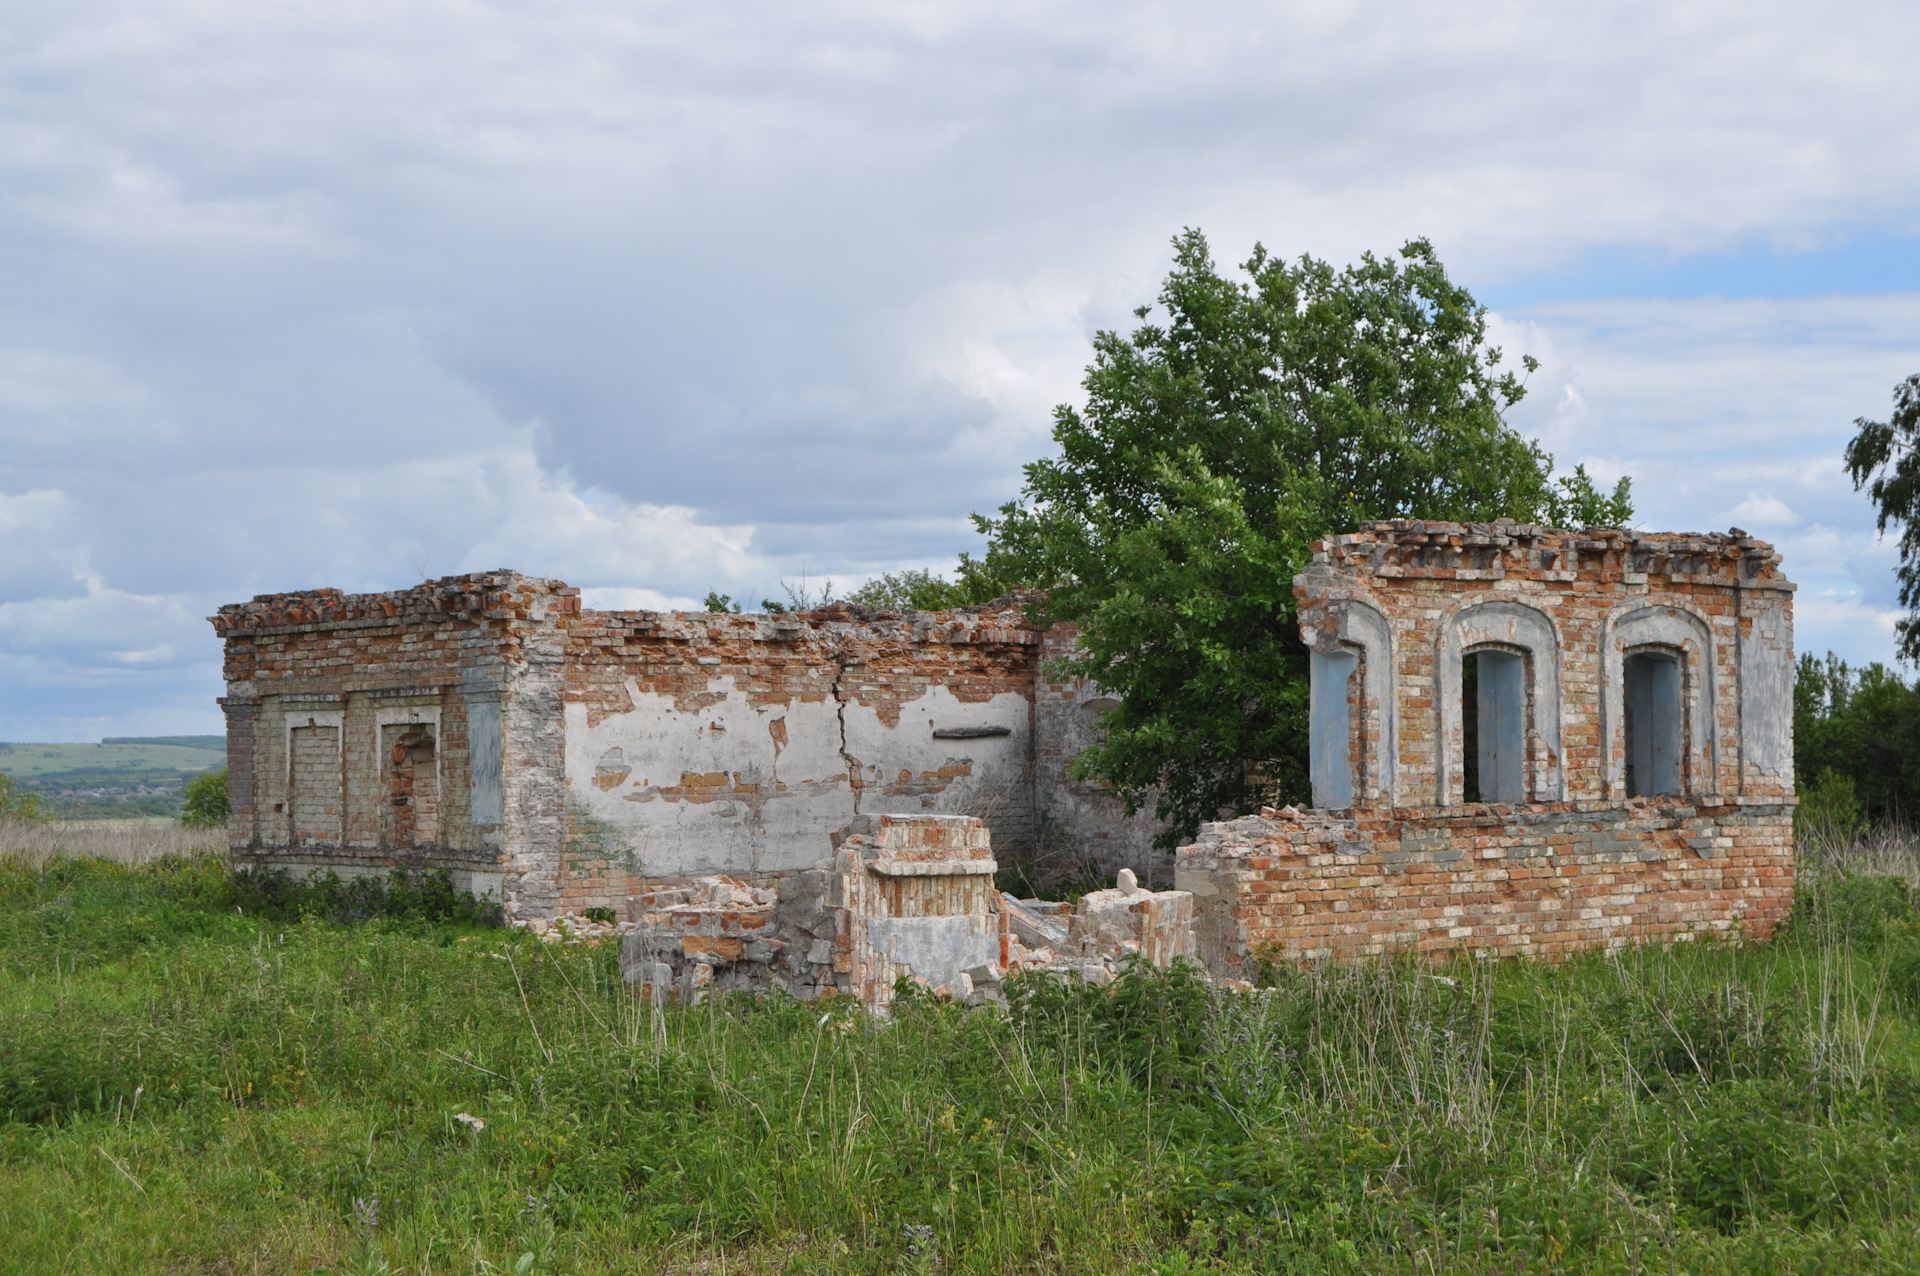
(199, 1072)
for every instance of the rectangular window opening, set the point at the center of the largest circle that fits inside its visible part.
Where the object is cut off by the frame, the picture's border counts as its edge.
(1493, 711)
(1652, 723)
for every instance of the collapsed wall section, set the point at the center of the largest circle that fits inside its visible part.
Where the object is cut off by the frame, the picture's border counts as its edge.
(1079, 822)
(902, 897)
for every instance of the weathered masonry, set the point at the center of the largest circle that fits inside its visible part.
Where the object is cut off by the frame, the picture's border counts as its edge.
(1522, 741)
(565, 758)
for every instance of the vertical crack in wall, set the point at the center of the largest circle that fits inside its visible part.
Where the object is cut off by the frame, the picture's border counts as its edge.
(840, 663)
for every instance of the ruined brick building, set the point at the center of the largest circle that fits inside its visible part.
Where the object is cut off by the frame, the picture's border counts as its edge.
(565, 758)
(1523, 740)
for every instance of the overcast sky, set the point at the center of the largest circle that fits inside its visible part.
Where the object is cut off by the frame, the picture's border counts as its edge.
(666, 298)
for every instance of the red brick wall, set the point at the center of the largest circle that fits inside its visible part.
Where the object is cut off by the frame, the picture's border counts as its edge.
(1420, 575)
(1543, 880)
(355, 666)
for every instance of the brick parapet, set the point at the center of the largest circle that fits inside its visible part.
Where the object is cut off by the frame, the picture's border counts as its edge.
(1541, 879)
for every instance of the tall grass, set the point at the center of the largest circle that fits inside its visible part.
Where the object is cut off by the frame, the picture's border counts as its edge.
(121, 841)
(188, 1084)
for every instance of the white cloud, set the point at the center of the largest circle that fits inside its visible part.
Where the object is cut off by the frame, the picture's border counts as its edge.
(1736, 413)
(662, 298)
(1762, 512)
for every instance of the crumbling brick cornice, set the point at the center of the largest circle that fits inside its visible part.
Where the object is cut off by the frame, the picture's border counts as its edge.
(1413, 549)
(505, 596)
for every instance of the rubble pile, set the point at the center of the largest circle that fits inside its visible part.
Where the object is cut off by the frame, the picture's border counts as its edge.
(902, 897)
(1103, 929)
(570, 928)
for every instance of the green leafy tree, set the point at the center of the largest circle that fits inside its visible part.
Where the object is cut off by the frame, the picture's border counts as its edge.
(919, 589)
(1263, 413)
(1882, 458)
(720, 604)
(1859, 728)
(204, 803)
(17, 805)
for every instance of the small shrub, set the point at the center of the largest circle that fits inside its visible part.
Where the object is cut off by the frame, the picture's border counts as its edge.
(1830, 808)
(17, 805)
(204, 803)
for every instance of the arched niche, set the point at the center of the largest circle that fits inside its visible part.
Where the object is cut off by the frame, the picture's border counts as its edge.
(1512, 626)
(1360, 641)
(1652, 625)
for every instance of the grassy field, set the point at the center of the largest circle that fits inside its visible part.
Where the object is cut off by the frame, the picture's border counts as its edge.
(202, 1074)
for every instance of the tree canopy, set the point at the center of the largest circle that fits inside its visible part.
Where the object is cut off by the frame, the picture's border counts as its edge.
(1255, 416)
(1856, 731)
(204, 801)
(1882, 459)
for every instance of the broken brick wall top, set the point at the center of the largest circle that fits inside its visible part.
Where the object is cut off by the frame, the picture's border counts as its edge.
(1581, 630)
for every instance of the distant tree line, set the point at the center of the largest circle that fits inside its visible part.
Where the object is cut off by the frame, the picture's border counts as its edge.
(1856, 742)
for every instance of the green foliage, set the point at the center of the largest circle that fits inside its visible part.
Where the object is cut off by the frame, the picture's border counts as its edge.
(1859, 910)
(427, 897)
(204, 803)
(1856, 737)
(188, 1082)
(17, 804)
(721, 604)
(1574, 501)
(1882, 458)
(1263, 414)
(1830, 806)
(918, 589)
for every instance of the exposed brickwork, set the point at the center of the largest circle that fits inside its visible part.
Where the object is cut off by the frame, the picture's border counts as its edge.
(1079, 817)
(617, 750)
(904, 896)
(1543, 880)
(1580, 863)
(315, 795)
(1423, 577)
(323, 687)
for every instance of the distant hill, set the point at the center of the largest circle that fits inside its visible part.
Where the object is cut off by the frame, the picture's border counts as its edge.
(120, 776)
(215, 742)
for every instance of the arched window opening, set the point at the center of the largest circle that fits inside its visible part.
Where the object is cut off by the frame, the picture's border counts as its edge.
(1651, 716)
(1493, 726)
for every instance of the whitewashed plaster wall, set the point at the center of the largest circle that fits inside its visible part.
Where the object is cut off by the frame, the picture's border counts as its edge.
(738, 786)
